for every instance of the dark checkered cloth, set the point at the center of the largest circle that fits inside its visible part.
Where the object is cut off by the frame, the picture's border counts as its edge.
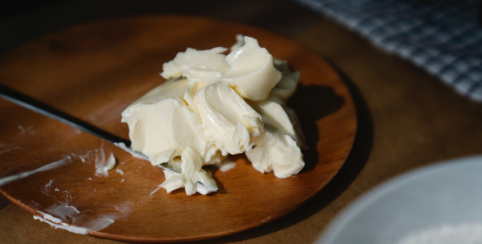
(443, 36)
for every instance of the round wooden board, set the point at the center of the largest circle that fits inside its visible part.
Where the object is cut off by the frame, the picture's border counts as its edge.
(93, 71)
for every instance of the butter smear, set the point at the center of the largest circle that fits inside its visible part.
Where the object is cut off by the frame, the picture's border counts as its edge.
(213, 105)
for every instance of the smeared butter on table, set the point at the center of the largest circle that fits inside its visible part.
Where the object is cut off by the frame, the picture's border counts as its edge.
(213, 105)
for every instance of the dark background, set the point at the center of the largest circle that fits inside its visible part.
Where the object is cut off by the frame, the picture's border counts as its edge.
(21, 21)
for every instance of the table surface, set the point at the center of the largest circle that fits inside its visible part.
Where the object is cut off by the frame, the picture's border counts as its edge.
(407, 118)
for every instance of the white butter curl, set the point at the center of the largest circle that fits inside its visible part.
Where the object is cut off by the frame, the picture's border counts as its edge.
(276, 151)
(208, 60)
(251, 72)
(228, 121)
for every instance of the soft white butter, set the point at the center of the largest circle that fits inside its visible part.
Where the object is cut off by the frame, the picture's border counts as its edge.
(207, 60)
(287, 85)
(251, 72)
(276, 151)
(213, 105)
(227, 120)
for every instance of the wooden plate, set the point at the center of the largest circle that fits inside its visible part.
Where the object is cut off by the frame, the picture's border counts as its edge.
(93, 71)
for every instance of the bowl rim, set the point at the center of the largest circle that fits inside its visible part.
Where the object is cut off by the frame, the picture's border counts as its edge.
(336, 227)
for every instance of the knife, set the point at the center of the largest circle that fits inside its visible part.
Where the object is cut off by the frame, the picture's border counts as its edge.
(44, 109)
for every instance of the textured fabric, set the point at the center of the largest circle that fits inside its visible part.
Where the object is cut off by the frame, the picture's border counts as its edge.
(443, 37)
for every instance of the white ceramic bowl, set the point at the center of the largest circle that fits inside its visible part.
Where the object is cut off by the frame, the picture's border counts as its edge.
(441, 203)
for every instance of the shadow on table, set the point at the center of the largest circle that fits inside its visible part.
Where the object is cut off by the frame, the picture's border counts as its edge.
(347, 174)
(3, 202)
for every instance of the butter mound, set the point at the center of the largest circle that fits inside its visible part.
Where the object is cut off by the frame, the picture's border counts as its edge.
(213, 105)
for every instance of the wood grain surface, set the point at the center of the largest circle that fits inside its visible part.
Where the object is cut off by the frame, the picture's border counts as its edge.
(93, 71)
